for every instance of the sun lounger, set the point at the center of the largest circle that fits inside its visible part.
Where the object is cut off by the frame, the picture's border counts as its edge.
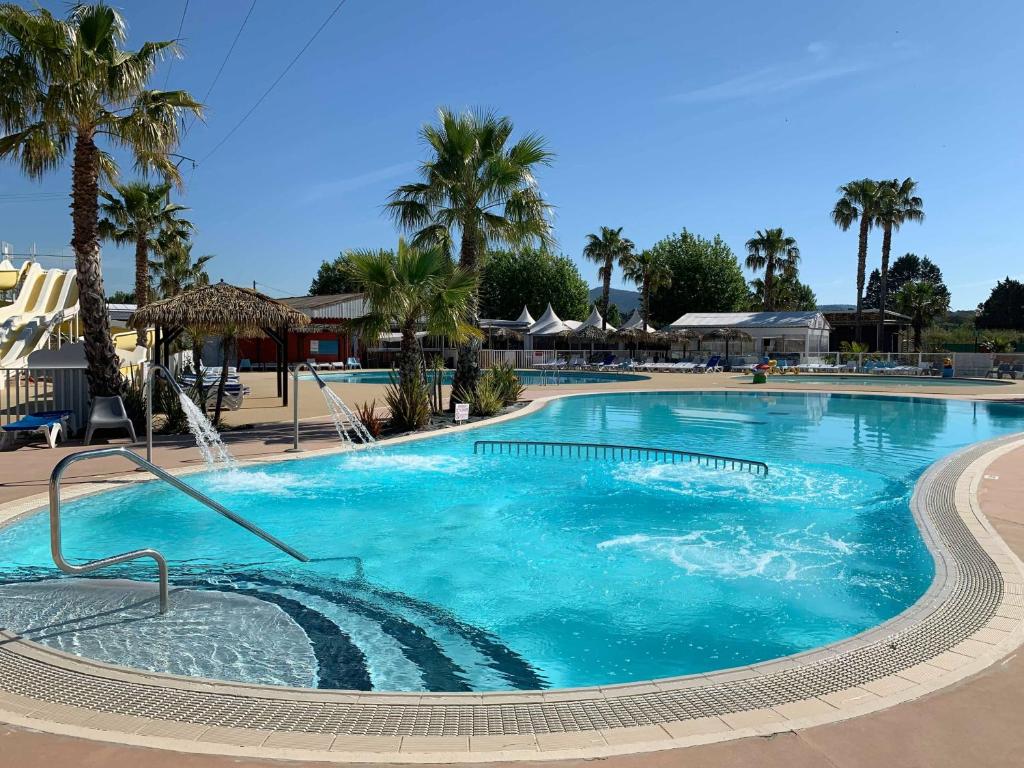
(53, 425)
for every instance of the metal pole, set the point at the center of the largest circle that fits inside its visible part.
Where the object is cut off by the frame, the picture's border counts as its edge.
(295, 411)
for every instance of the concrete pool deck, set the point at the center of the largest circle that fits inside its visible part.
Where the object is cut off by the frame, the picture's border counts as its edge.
(949, 714)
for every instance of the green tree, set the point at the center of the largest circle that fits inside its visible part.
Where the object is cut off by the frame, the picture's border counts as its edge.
(923, 303)
(531, 277)
(791, 295)
(477, 186)
(333, 277)
(608, 249)
(774, 252)
(411, 289)
(612, 315)
(857, 202)
(897, 204)
(64, 85)
(1004, 308)
(121, 297)
(906, 268)
(649, 272)
(706, 277)
(135, 214)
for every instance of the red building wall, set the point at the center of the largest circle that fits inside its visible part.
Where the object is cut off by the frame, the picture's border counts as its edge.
(263, 350)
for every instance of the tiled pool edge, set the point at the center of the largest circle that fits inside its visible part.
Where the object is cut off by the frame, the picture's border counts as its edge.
(956, 479)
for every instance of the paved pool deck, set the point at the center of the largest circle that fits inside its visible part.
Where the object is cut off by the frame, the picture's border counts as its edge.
(973, 720)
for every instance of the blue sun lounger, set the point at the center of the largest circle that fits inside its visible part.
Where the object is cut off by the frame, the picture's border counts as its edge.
(51, 423)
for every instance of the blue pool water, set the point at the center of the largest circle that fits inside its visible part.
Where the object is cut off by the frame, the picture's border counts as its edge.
(874, 380)
(528, 377)
(438, 569)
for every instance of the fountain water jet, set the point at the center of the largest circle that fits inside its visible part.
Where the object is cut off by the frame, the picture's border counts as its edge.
(345, 422)
(208, 440)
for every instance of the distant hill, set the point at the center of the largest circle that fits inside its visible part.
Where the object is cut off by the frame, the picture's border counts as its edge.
(625, 300)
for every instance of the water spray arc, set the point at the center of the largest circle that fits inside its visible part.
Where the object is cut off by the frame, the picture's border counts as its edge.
(345, 422)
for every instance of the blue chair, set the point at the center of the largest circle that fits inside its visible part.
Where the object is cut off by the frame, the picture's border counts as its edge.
(53, 424)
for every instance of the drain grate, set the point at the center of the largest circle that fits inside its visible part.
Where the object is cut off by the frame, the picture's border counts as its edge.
(967, 590)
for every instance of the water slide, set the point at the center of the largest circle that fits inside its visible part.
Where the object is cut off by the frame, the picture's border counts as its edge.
(46, 300)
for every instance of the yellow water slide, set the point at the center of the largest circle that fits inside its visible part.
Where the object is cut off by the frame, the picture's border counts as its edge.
(48, 298)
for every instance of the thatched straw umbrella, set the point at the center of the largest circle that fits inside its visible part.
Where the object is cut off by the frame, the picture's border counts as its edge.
(226, 310)
(728, 334)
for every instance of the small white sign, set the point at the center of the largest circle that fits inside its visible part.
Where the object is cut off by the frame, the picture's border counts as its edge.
(461, 412)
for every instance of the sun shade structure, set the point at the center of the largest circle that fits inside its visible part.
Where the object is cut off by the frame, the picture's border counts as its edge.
(806, 332)
(222, 308)
(550, 324)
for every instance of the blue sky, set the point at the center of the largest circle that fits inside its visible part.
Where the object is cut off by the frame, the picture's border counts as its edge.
(718, 117)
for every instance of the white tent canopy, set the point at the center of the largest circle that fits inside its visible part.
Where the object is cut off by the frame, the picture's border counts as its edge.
(549, 324)
(806, 332)
(635, 322)
(594, 321)
(525, 317)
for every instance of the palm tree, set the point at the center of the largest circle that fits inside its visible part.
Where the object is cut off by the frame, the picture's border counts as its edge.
(65, 84)
(651, 274)
(175, 272)
(897, 204)
(410, 289)
(774, 252)
(857, 203)
(136, 215)
(479, 187)
(608, 249)
(923, 302)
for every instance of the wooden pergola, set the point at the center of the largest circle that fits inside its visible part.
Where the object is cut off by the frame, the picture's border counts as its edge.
(221, 309)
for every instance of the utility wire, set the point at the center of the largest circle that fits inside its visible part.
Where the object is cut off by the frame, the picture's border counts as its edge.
(223, 64)
(274, 84)
(181, 25)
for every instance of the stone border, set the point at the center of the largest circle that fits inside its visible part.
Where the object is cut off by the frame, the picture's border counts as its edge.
(972, 615)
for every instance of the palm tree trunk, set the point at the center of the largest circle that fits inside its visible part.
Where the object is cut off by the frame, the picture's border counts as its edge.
(769, 284)
(141, 281)
(862, 265)
(918, 328)
(409, 363)
(606, 291)
(467, 368)
(883, 288)
(646, 302)
(227, 348)
(104, 367)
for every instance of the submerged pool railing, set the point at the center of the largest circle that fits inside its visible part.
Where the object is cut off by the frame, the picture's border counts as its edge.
(56, 549)
(610, 452)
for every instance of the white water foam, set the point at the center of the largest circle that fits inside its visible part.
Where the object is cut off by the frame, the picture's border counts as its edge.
(730, 552)
(208, 440)
(448, 465)
(285, 484)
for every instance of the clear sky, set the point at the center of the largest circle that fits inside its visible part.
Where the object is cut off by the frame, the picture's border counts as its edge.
(719, 117)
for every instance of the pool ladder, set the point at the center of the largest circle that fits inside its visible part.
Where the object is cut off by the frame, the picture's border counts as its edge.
(161, 562)
(612, 452)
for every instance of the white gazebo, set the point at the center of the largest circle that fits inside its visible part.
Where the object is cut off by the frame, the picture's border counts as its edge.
(771, 332)
(635, 322)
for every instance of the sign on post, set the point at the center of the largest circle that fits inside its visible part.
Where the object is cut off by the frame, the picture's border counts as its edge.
(461, 412)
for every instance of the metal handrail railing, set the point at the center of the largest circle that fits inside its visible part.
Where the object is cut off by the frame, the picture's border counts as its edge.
(614, 452)
(161, 563)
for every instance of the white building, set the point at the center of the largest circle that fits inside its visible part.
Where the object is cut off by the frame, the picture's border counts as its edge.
(767, 332)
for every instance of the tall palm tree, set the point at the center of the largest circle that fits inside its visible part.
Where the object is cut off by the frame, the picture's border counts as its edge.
(477, 186)
(608, 249)
(136, 214)
(410, 289)
(923, 302)
(857, 202)
(776, 253)
(64, 85)
(898, 203)
(651, 274)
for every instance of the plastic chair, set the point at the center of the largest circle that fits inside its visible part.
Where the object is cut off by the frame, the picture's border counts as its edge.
(109, 413)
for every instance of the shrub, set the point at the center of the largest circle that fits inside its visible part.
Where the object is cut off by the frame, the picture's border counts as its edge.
(487, 401)
(409, 403)
(367, 413)
(506, 382)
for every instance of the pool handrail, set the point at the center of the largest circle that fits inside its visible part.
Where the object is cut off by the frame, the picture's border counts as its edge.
(620, 452)
(161, 563)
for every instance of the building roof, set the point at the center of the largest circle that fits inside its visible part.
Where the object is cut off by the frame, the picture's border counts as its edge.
(334, 306)
(868, 316)
(707, 320)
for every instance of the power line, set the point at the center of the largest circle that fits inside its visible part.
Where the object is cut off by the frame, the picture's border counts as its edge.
(274, 84)
(275, 290)
(223, 64)
(181, 25)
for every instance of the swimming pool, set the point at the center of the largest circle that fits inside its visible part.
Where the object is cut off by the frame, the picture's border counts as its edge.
(437, 569)
(528, 377)
(874, 380)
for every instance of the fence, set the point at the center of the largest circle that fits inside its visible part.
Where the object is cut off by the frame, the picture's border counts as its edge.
(30, 390)
(965, 364)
